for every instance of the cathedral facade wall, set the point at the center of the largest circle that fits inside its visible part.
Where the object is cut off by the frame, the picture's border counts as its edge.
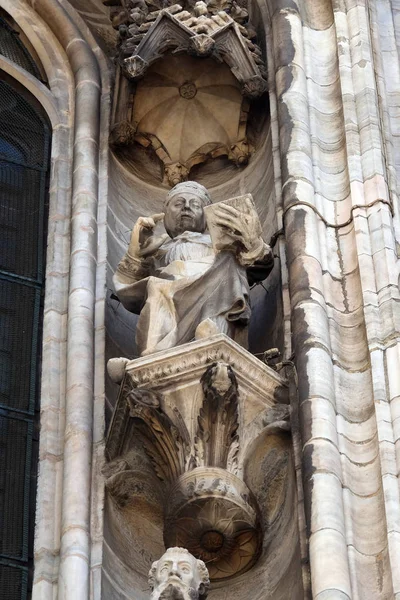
(325, 180)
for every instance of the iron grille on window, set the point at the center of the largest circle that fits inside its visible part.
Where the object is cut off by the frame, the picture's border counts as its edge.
(12, 48)
(24, 156)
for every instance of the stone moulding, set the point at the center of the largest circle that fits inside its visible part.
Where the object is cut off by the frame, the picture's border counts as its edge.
(190, 360)
(195, 410)
(225, 44)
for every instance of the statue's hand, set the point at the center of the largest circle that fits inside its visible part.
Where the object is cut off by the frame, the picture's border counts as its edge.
(143, 241)
(239, 226)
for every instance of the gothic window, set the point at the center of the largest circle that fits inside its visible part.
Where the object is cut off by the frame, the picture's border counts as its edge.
(12, 47)
(24, 161)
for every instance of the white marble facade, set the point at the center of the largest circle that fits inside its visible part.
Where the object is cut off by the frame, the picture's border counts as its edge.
(326, 175)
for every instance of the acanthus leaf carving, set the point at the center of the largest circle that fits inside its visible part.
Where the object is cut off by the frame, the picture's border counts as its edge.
(232, 460)
(254, 87)
(162, 441)
(146, 34)
(174, 445)
(175, 173)
(122, 134)
(218, 421)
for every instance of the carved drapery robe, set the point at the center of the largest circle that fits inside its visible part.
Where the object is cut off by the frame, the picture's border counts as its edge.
(184, 284)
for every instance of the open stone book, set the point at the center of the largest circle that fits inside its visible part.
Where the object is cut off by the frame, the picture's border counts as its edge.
(220, 237)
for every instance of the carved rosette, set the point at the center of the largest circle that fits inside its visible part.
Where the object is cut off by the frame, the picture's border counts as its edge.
(190, 111)
(213, 514)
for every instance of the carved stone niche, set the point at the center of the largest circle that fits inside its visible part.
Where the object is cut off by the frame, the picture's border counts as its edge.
(189, 110)
(186, 111)
(196, 410)
(188, 76)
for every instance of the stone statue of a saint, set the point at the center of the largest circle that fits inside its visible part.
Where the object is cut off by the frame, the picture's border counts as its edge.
(178, 575)
(180, 285)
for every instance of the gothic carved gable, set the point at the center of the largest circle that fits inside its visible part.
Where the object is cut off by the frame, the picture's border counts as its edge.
(188, 76)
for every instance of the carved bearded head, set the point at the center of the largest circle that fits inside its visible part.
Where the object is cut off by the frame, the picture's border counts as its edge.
(184, 208)
(178, 575)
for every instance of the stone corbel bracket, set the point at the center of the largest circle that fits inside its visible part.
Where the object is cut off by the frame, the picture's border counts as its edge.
(226, 44)
(197, 410)
(176, 377)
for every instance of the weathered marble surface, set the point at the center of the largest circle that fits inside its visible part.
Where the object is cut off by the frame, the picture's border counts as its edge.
(340, 221)
(200, 98)
(327, 169)
(67, 550)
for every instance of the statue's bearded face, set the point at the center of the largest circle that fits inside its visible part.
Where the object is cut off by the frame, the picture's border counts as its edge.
(179, 573)
(184, 212)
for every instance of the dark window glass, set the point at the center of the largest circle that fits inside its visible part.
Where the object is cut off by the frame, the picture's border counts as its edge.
(24, 160)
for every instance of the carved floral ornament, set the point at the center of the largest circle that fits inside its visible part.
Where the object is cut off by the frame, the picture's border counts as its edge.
(213, 514)
(220, 28)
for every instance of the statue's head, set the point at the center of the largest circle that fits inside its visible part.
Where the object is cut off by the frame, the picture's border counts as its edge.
(178, 575)
(184, 208)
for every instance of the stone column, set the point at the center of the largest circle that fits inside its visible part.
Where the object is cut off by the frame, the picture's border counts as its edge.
(310, 323)
(375, 223)
(340, 228)
(75, 533)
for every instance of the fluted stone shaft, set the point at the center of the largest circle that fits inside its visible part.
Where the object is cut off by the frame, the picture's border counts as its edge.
(75, 540)
(340, 227)
(77, 450)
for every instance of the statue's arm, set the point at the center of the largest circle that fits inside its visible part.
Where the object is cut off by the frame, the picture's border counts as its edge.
(134, 268)
(131, 269)
(130, 282)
